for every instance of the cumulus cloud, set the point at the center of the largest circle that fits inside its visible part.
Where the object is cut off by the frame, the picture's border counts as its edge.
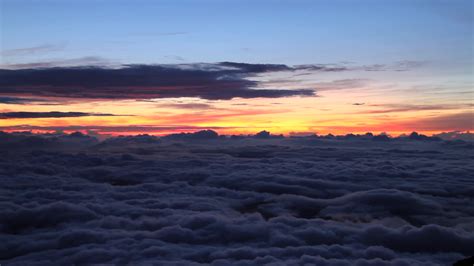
(200, 199)
(456, 135)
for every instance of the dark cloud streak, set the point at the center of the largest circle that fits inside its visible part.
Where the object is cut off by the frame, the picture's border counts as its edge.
(123, 129)
(73, 62)
(54, 114)
(88, 78)
(220, 81)
(17, 100)
(192, 106)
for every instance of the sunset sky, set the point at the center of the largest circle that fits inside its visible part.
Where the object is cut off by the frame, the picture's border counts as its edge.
(237, 67)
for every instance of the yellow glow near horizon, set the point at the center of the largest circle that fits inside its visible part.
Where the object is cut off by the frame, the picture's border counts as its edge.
(333, 112)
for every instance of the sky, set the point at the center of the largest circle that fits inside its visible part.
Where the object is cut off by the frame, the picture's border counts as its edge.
(238, 67)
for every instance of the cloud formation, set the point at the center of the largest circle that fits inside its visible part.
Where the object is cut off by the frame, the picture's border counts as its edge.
(395, 108)
(19, 100)
(462, 121)
(200, 199)
(73, 62)
(53, 114)
(113, 129)
(341, 84)
(97, 78)
(40, 49)
(191, 106)
(403, 65)
(219, 81)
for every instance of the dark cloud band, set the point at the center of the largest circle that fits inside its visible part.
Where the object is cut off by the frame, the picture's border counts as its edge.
(17, 100)
(17, 115)
(219, 81)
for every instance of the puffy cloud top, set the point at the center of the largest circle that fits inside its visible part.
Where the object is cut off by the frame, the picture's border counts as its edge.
(200, 199)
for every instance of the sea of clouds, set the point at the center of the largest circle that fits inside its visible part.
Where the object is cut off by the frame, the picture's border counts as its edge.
(196, 199)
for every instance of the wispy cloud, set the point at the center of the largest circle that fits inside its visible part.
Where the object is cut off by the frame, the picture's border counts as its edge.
(73, 62)
(453, 122)
(406, 65)
(158, 34)
(394, 108)
(462, 121)
(40, 49)
(322, 67)
(341, 84)
(210, 117)
(193, 106)
(174, 57)
(402, 65)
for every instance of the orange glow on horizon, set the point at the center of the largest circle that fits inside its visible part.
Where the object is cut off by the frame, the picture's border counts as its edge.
(331, 112)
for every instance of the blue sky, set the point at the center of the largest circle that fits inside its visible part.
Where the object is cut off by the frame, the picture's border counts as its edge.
(289, 32)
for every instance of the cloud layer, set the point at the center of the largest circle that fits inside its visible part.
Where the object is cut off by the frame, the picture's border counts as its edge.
(202, 199)
(18, 100)
(53, 114)
(219, 81)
